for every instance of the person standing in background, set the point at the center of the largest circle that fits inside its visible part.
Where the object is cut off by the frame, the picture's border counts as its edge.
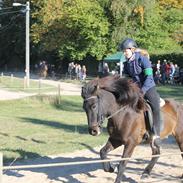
(83, 70)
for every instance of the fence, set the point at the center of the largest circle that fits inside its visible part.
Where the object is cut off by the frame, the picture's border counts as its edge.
(37, 87)
(75, 163)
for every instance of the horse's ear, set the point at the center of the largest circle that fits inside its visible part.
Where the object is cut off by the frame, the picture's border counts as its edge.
(96, 89)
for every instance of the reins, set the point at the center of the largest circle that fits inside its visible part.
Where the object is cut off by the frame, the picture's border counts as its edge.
(119, 110)
(100, 121)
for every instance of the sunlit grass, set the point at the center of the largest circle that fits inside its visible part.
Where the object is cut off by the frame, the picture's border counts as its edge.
(18, 84)
(171, 91)
(36, 126)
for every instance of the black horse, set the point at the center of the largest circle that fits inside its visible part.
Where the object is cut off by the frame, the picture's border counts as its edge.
(104, 97)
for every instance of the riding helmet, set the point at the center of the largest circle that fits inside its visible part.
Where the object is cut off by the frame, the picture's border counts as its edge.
(128, 43)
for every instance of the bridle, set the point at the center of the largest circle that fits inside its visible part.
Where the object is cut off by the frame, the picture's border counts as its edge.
(100, 117)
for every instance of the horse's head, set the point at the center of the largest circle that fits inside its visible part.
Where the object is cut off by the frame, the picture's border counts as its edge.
(93, 107)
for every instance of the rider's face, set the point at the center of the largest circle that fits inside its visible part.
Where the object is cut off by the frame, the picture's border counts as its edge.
(128, 53)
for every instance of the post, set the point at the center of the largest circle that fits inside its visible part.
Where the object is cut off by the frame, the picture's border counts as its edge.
(39, 86)
(27, 41)
(1, 167)
(27, 67)
(1, 77)
(76, 129)
(25, 81)
(11, 77)
(59, 93)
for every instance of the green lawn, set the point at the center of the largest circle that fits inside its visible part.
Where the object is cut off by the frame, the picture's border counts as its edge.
(171, 91)
(17, 84)
(35, 127)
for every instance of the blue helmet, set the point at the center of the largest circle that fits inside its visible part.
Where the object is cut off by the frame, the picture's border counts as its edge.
(127, 43)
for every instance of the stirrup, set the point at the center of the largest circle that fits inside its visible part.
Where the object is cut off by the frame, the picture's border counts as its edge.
(156, 141)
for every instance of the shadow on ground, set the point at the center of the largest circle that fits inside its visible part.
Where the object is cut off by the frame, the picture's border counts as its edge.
(67, 173)
(57, 125)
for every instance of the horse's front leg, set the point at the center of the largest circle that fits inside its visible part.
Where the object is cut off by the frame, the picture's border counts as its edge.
(127, 152)
(148, 169)
(110, 145)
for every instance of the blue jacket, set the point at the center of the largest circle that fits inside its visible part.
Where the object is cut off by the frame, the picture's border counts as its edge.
(135, 69)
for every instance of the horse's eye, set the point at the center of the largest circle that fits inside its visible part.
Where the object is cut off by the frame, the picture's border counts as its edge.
(94, 106)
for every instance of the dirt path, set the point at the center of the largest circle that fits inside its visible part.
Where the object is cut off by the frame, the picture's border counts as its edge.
(66, 89)
(168, 169)
(9, 95)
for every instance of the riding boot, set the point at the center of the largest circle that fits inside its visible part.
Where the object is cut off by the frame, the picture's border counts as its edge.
(155, 138)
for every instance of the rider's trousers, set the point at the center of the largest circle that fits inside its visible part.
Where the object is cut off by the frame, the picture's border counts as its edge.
(153, 97)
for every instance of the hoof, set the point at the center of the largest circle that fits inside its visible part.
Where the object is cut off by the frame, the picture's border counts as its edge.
(145, 176)
(112, 168)
(117, 181)
(109, 169)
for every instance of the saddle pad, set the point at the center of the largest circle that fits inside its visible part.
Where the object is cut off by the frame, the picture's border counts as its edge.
(162, 102)
(149, 116)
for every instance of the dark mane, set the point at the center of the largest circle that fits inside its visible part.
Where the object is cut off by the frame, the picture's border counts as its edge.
(125, 91)
(92, 87)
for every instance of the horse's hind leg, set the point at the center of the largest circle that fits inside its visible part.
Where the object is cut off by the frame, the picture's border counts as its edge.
(110, 145)
(148, 169)
(179, 139)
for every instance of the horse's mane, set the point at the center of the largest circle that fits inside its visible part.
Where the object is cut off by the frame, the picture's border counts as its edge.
(125, 91)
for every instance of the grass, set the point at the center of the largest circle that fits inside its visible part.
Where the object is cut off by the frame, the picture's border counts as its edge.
(171, 91)
(34, 127)
(17, 84)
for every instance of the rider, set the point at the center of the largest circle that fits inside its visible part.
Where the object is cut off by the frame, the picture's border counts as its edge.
(138, 67)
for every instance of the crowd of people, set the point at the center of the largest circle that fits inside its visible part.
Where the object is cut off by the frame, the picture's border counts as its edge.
(167, 73)
(41, 69)
(164, 72)
(76, 71)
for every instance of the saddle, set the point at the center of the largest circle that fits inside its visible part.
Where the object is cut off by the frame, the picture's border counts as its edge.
(149, 118)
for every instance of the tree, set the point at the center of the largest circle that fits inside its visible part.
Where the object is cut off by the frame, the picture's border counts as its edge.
(12, 35)
(168, 4)
(146, 22)
(75, 28)
(173, 23)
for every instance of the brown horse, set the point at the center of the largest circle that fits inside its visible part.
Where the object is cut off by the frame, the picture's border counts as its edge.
(120, 100)
(43, 70)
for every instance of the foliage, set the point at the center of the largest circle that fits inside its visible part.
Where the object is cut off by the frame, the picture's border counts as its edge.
(78, 28)
(155, 36)
(147, 24)
(167, 4)
(12, 34)
(82, 30)
(173, 24)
